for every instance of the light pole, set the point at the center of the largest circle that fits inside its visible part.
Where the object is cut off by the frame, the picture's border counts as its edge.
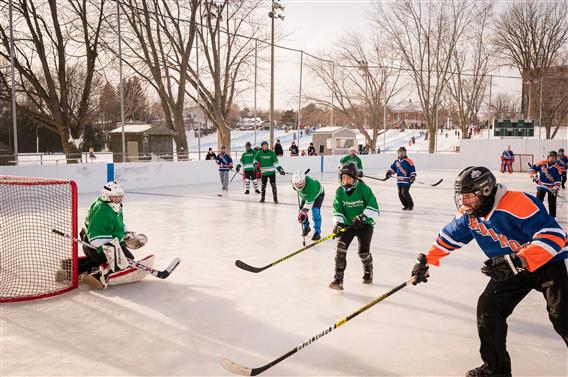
(121, 82)
(277, 11)
(13, 72)
(299, 116)
(541, 57)
(255, 73)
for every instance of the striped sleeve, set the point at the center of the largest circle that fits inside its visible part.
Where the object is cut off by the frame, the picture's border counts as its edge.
(372, 207)
(546, 243)
(338, 216)
(452, 237)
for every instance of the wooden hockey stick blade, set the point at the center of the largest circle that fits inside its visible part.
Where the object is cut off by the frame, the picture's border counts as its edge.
(437, 183)
(236, 368)
(247, 267)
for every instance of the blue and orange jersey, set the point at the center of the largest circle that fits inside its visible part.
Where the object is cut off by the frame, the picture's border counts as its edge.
(508, 155)
(548, 175)
(224, 162)
(563, 163)
(404, 169)
(517, 223)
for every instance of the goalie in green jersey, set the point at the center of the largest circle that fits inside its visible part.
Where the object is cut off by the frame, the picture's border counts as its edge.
(355, 209)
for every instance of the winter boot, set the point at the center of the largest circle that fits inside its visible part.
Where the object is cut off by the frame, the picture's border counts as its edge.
(482, 371)
(316, 236)
(247, 192)
(337, 282)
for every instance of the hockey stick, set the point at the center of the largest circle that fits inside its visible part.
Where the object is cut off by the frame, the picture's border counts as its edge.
(306, 172)
(135, 264)
(244, 371)
(422, 183)
(247, 267)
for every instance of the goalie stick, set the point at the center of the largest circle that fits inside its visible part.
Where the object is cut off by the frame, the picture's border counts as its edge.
(244, 371)
(135, 264)
(247, 267)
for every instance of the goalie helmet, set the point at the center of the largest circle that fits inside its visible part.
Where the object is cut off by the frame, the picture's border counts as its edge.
(477, 180)
(299, 180)
(112, 193)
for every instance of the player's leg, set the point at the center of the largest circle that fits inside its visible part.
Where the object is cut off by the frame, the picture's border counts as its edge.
(273, 186)
(341, 258)
(401, 197)
(364, 237)
(495, 304)
(551, 204)
(409, 201)
(316, 216)
(540, 195)
(556, 294)
(264, 181)
(564, 174)
(247, 177)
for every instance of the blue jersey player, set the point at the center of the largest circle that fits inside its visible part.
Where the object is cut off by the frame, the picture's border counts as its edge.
(526, 250)
(405, 172)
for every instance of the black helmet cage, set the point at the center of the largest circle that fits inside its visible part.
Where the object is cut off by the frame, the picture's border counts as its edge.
(479, 181)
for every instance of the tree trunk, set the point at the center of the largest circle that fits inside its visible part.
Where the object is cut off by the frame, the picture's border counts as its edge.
(71, 152)
(223, 136)
(180, 137)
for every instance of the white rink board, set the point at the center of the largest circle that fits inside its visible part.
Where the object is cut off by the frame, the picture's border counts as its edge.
(208, 309)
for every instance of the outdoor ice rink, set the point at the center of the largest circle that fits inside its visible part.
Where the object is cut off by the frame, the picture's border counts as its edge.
(209, 309)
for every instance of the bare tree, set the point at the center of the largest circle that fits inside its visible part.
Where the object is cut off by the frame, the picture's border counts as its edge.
(56, 49)
(555, 100)
(226, 31)
(525, 29)
(159, 41)
(362, 82)
(504, 106)
(425, 35)
(469, 67)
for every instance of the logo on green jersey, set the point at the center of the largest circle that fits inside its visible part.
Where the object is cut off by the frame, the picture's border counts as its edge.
(353, 204)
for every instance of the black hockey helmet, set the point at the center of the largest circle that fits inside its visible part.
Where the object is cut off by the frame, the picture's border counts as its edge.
(553, 153)
(476, 180)
(349, 169)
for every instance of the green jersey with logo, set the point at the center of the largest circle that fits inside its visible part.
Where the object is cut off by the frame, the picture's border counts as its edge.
(354, 159)
(103, 224)
(247, 160)
(361, 201)
(311, 190)
(268, 162)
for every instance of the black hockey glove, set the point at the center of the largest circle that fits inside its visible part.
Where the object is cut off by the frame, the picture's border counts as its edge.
(360, 174)
(359, 221)
(388, 174)
(412, 179)
(280, 170)
(420, 270)
(238, 169)
(504, 267)
(337, 230)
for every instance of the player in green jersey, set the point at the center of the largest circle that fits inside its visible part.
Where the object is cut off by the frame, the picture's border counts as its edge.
(267, 162)
(353, 158)
(311, 194)
(355, 208)
(247, 163)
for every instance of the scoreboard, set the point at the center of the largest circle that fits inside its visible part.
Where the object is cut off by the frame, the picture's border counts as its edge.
(513, 128)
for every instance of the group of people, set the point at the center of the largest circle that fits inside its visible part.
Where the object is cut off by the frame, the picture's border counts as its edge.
(526, 248)
(294, 150)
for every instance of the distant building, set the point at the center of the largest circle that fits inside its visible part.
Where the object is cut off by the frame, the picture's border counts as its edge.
(142, 141)
(334, 140)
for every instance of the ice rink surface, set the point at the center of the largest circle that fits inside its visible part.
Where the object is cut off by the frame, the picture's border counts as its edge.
(209, 309)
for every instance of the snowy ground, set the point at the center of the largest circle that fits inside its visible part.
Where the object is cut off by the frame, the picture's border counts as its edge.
(209, 309)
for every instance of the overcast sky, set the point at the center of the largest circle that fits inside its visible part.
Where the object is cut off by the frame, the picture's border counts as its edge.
(315, 26)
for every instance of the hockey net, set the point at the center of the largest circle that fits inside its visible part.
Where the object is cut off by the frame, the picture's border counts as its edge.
(522, 161)
(30, 254)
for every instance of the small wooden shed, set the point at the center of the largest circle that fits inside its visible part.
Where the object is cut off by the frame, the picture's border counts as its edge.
(334, 140)
(142, 141)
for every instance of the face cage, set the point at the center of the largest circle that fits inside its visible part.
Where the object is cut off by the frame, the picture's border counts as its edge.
(471, 208)
(299, 185)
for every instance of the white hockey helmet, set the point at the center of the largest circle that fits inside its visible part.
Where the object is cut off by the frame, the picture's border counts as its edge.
(299, 179)
(110, 192)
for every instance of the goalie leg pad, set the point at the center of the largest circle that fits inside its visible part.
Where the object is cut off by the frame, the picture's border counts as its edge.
(131, 274)
(115, 255)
